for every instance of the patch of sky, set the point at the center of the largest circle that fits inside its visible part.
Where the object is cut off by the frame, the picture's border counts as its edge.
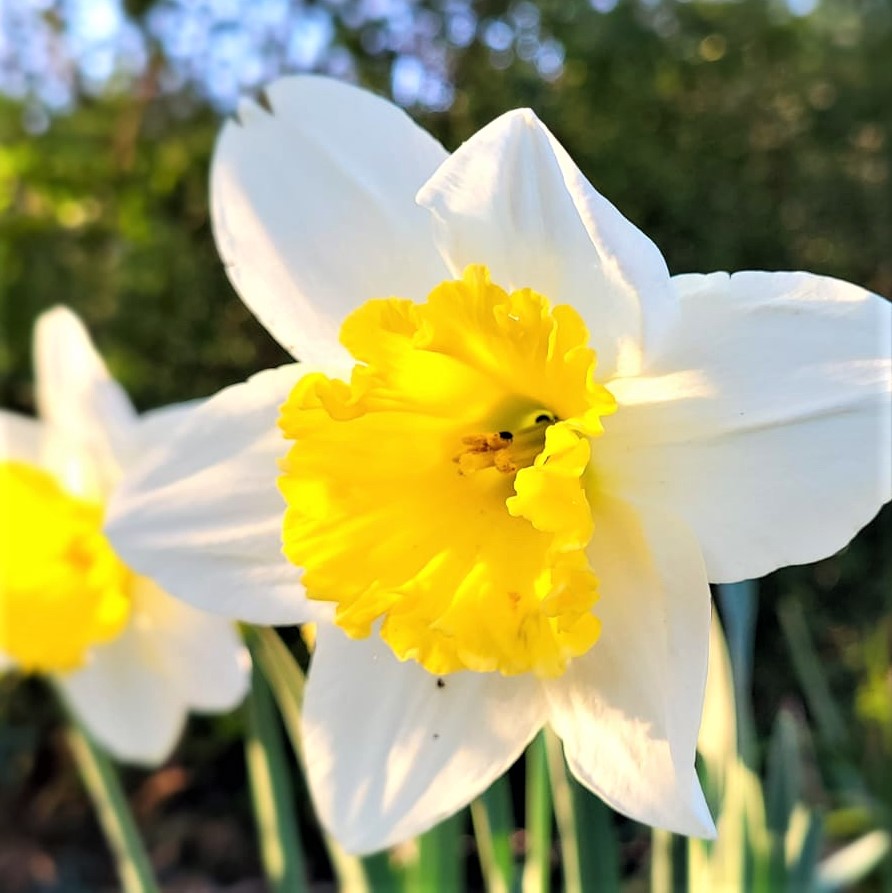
(52, 50)
(406, 79)
(311, 35)
(802, 7)
(461, 26)
(498, 35)
(550, 59)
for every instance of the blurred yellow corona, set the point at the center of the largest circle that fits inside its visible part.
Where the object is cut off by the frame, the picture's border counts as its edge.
(62, 588)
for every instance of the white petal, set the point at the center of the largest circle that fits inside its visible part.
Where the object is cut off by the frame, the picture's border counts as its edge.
(202, 514)
(89, 417)
(313, 209)
(124, 698)
(628, 711)
(201, 654)
(155, 427)
(134, 692)
(512, 198)
(767, 421)
(21, 438)
(390, 752)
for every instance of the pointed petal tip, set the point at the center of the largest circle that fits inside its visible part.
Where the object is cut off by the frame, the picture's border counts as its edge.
(59, 321)
(248, 110)
(365, 838)
(324, 164)
(524, 116)
(57, 311)
(699, 821)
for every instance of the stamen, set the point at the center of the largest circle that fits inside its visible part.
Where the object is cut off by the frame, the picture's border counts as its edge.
(506, 451)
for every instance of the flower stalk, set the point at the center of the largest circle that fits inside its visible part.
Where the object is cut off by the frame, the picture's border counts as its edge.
(272, 793)
(493, 822)
(286, 682)
(101, 780)
(537, 867)
(564, 814)
(439, 865)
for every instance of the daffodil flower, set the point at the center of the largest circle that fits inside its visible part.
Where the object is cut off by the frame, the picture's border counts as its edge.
(129, 659)
(514, 454)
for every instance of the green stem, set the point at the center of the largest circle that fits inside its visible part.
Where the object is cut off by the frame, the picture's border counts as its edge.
(812, 676)
(537, 867)
(493, 820)
(564, 813)
(273, 794)
(283, 675)
(668, 862)
(104, 787)
(589, 850)
(740, 607)
(439, 865)
(598, 846)
(286, 682)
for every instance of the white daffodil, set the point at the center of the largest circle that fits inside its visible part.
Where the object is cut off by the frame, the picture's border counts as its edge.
(513, 456)
(129, 659)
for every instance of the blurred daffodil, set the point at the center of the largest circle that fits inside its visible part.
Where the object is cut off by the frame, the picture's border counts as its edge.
(511, 478)
(129, 659)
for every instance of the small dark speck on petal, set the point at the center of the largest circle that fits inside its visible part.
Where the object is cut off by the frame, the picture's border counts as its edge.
(263, 101)
(441, 683)
(436, 735)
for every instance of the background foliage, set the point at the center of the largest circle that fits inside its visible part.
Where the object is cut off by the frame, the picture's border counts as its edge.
(747, 134)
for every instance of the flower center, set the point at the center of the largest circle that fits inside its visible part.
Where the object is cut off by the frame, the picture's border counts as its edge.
(62, 588)
(506, 451)
(439, 497)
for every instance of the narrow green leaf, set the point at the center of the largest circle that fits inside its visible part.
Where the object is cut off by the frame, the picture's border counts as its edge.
(668, 863)
(283, 675)
(589, 851)
(781, 792)
(717, 743)
(101, 781)
(273, 794)
(803, 849)
(492, 816)
(782, 774)
(596, 837)
(537, 866)
(286, 682)
(830, 724)
(439, 865)
(740, 605)
(379, 873)
(562, 801)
